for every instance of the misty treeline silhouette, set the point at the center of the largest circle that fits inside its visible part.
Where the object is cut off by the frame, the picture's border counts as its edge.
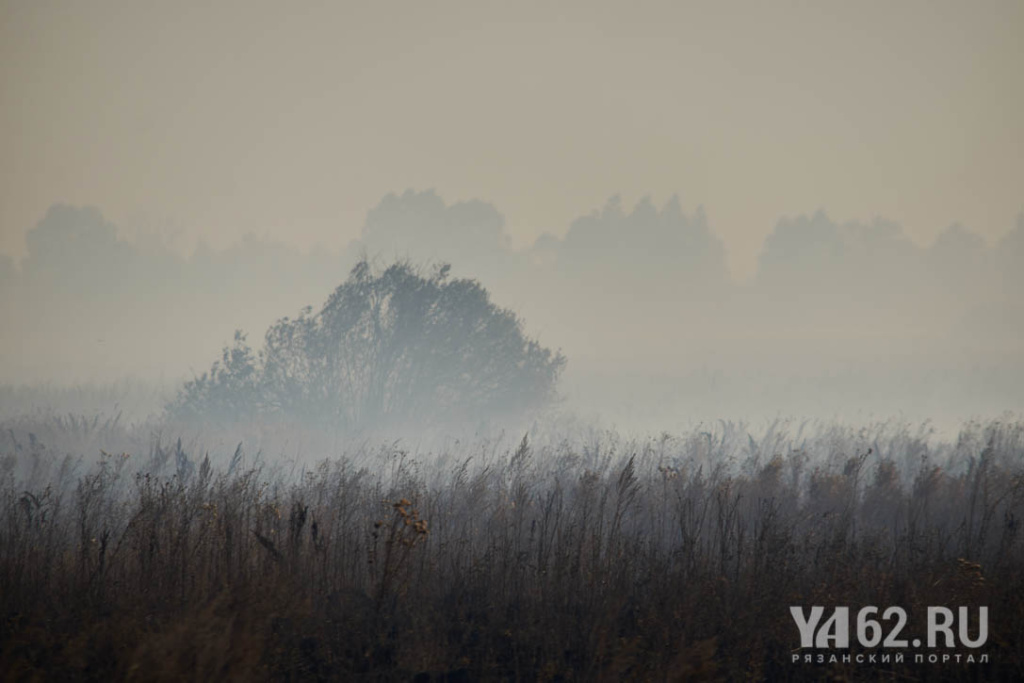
(391, 348)
(87, 302)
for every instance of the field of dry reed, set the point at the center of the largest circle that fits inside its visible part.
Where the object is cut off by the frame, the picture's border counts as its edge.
(587, 558)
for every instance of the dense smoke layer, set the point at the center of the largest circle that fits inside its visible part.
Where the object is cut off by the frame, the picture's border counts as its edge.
(837, 317)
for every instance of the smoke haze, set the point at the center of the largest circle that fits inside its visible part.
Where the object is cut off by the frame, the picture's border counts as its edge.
(713, 209)
(839, 318)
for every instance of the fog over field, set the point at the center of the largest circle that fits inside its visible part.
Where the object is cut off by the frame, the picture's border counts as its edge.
(839, 319)
(479, 341)
(712, 210)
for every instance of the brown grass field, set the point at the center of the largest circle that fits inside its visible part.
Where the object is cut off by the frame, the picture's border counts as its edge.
(591, 558)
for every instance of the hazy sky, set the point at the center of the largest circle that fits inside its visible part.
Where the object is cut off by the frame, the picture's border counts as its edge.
(291, 120)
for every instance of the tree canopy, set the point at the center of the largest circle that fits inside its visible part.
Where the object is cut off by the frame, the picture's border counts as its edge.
(390, 348)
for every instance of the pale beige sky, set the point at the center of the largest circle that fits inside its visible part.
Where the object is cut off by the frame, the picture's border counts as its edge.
(291, 120)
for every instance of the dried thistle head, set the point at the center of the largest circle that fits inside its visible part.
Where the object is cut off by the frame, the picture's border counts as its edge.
(668, 472)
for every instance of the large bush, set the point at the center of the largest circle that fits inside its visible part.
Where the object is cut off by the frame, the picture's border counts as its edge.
(391, 348)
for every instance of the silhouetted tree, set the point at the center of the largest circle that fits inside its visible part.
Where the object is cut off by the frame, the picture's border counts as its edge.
(394, 348)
